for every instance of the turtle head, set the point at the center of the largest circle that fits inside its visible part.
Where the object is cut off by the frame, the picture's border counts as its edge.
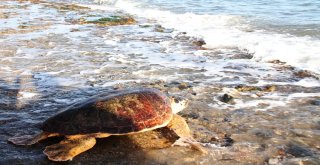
(178, 104)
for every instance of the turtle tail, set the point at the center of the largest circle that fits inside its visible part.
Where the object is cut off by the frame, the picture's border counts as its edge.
(30, 139)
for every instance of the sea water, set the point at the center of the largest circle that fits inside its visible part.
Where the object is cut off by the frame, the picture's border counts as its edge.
(285, 30)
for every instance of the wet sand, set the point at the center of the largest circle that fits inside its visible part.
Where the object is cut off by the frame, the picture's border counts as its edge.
(242, 111)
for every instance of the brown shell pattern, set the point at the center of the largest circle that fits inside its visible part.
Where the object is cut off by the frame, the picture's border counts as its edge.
(118, 113)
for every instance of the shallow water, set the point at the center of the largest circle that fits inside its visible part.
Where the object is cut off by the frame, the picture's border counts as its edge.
(281, 12)
(49, 61)
(269, 30)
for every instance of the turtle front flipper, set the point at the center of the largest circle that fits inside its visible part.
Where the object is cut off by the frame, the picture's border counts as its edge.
(70, 147)
(31, 139)
(181, 128)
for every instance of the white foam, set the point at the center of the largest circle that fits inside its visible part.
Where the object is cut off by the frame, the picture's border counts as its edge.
(89, 72)
(299, 95)
(255, 103)
(110, 42)
(67, 82)
(6, 68)
(99, 7)
(112, 83)
(27, 95)
(231, 31)
(62, 100)
(306, 82)
(26, 73)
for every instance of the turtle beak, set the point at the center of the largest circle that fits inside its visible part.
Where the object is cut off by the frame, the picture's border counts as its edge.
(177, 99)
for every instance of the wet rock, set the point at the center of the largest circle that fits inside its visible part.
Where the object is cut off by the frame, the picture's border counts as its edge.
(269, 88)
(183, 86)
(178, 85)
(107, 21)
(145, 25)
(159, 28)
(298, 151)
(226, 98)
(242, 56)
(199, 42)
(227, 141)
(277, 62)
(315, 102)
(305, 74)
(244, 88)
(74, 30)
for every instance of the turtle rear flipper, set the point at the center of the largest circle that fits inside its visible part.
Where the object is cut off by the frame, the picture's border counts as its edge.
(31, 139)
(181, 128)
(70, 147)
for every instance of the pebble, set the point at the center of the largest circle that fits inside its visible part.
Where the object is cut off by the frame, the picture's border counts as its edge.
(227, 141)
(315, 102)
(183, 86)
(226, 98)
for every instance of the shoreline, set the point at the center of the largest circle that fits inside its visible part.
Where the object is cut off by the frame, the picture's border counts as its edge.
(242, 111)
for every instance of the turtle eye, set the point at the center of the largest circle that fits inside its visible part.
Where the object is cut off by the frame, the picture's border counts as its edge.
(178, 99)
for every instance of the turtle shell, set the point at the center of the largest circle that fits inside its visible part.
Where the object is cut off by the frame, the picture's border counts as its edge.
(119, 112)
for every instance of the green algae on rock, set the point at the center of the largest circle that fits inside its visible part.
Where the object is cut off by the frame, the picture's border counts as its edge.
(108, 21)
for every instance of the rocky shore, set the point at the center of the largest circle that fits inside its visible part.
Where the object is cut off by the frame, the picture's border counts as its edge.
(53, 54)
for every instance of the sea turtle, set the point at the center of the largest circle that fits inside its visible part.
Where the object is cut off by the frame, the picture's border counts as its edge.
(120, 112)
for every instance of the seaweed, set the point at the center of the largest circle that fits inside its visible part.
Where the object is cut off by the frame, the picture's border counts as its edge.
(109, 21)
